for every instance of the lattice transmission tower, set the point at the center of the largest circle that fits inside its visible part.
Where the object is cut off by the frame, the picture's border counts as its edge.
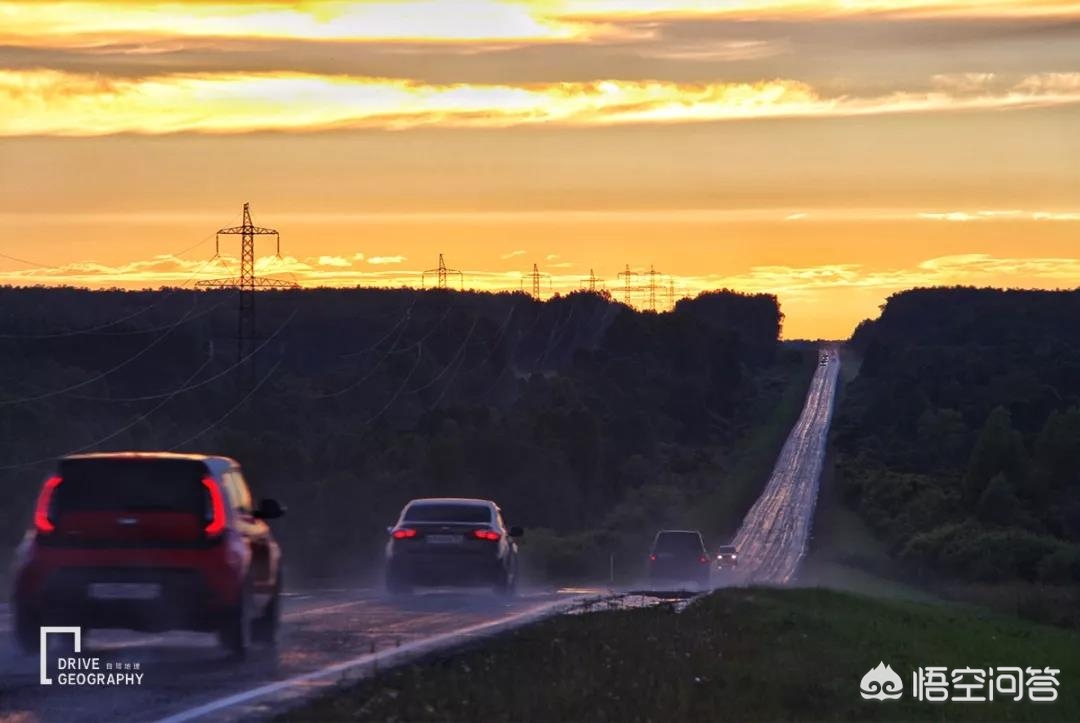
(590, 283)
(536, 276)
(441, 273)
(246, 283)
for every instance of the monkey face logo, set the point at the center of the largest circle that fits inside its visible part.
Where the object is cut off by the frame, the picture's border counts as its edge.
(881, 683)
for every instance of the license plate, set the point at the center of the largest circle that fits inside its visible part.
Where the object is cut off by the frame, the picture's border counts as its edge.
(124, 590)
(445, 539)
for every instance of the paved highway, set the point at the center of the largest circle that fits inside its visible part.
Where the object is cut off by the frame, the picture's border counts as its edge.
(185, 670)
(185, 673)
(773, 537)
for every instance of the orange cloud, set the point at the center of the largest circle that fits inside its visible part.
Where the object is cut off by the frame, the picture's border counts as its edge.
(55, 103)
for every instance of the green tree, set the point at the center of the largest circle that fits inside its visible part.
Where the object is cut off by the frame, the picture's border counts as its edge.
(1055, 464)
(999, 450)
(998, 504)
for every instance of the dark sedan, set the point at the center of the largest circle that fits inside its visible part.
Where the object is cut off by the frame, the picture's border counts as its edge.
(440, 542)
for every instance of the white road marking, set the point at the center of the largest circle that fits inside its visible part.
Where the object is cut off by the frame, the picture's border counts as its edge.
(363, 665)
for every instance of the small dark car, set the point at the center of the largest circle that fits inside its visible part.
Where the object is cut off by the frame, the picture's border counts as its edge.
(149, 542)
(727, 557)
(440, 542)
(679, 556)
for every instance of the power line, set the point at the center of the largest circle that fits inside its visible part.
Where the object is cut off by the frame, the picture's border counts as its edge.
(247, 282)
(357, 382)
(243, 400)
(451, 362)
(406, 315)
(86, 382)
(139, 312)
(204, 382)
(116, 432)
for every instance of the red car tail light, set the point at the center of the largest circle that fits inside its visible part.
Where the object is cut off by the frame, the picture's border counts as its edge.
(42, 521)
(216, 525)
(403, 533)
(652, 558)
(489, 535)
(704, 560)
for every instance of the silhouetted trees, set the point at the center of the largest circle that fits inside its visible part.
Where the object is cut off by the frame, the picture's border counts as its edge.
(560, 410)
(959, 440)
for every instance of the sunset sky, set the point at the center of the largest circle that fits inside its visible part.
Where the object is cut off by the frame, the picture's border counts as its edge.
(831, 152)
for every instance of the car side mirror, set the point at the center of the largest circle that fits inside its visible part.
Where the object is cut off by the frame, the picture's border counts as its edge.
(516, 532)
(269, 509)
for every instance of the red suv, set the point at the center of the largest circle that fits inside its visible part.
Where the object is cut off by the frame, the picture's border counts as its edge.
(149, 542)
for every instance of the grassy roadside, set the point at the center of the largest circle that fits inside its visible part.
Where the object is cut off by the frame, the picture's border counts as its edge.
(740, 654)
(720, 513)
(845, 555)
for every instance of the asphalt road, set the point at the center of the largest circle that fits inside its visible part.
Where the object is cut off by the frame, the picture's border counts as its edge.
(773, 537)
(323, 628)
(183, 670)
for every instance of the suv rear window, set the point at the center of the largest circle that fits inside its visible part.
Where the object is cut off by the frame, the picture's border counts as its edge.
(448, 513)
(151, 485)
(679, 542)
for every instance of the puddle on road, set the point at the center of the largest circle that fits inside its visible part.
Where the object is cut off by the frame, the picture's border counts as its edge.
(677, 600)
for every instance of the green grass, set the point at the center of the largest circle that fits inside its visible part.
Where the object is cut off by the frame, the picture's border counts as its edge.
(844, 554)
(740, 654)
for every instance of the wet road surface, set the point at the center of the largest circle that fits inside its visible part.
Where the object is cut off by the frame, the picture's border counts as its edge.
(322, 628)
(775, 532)
(184, 670)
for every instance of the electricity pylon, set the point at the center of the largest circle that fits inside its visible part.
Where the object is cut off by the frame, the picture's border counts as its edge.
(441, 273)
(246, 284)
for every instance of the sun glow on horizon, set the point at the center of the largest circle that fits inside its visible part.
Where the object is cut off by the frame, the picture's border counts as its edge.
(829, 151)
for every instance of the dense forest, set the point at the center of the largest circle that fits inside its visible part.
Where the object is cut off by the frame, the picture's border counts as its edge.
(575, 414)
(959, 440)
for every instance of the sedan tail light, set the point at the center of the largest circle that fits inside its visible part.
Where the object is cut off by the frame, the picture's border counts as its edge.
(403, 533)
(42, 517)
(216, 523)
(489, 535)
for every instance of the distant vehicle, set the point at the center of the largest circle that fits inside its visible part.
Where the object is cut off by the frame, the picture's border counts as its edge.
(150, 542)
(726, 557)
(452, 542)
(679, 556)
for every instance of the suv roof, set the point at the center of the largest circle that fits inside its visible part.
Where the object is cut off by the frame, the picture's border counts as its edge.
(216, 463)
(452, 501)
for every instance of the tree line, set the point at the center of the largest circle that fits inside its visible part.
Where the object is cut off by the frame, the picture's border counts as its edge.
(576, 414)
(959, 440)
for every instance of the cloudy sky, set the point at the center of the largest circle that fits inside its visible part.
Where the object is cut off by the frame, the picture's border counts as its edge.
(829, 151)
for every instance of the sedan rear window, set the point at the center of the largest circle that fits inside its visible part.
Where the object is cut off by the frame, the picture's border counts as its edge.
(149, 485)
(679, 542)
(448, 513)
